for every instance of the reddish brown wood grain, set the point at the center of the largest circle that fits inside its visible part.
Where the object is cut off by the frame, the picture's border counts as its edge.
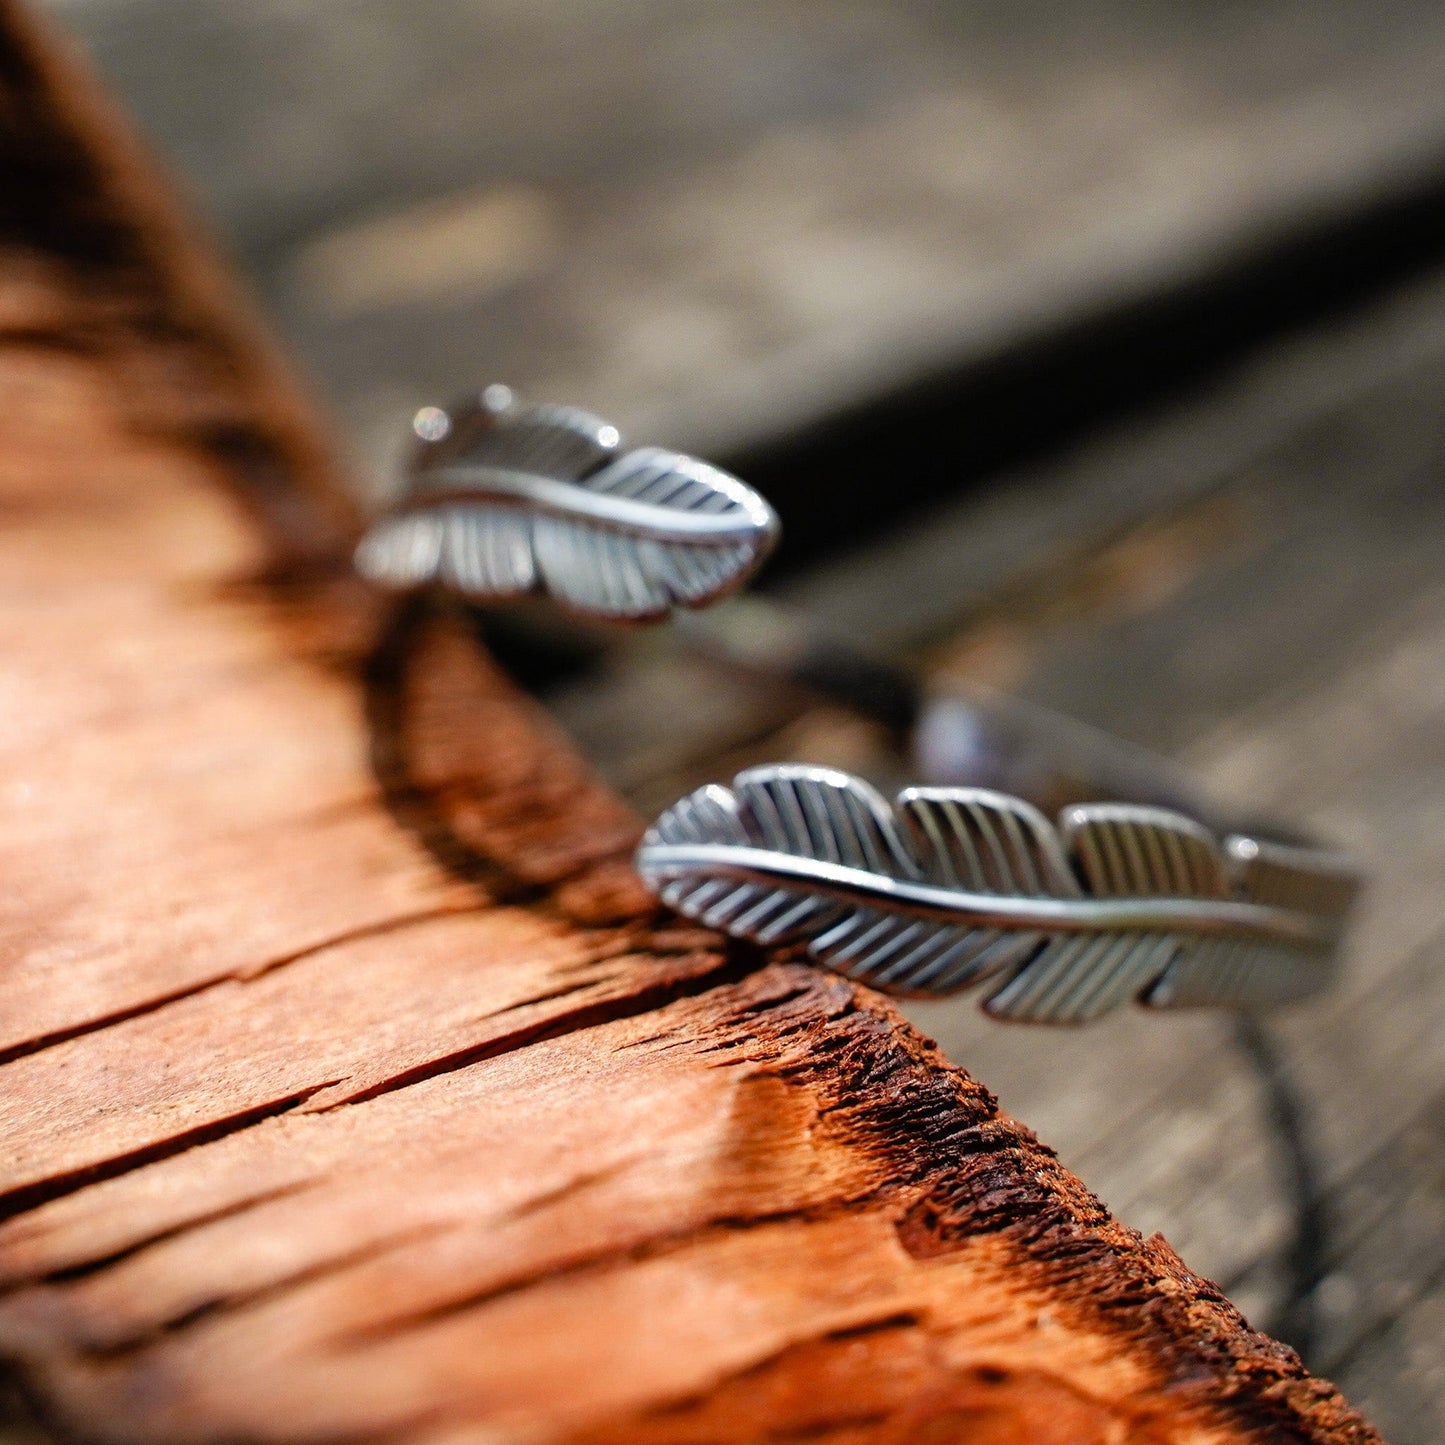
(351, 1089)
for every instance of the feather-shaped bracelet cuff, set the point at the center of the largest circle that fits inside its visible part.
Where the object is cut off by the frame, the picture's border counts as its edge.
(944, 888)
(504, 499)
(950, 887)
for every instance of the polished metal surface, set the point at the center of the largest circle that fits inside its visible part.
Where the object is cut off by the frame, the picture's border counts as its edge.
(950, 887)
(504, 499)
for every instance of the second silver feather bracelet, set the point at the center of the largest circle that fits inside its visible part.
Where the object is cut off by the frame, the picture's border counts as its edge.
(946, 886)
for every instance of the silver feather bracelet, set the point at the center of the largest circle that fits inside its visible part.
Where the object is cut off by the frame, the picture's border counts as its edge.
(955, 886)
(945, 888)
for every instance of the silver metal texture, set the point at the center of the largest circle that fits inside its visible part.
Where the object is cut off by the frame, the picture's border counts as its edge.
(950, 887)
(504, 499)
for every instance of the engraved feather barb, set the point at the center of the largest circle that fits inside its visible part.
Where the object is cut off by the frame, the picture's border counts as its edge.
(949, 887)
(504, 499)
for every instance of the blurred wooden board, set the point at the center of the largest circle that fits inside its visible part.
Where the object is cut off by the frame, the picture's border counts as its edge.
(717, 222)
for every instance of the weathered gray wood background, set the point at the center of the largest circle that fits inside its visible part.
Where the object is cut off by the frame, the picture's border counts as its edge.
(719, 221)
(726, 224)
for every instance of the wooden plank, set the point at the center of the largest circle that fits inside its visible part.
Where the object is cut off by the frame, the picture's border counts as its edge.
(508, 1156)
(719, 222)
(1383, 1291)
(1235, 139)
(1412, 1335)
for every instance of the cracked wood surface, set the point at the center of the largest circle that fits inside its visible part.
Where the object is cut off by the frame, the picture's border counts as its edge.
(351, 1090)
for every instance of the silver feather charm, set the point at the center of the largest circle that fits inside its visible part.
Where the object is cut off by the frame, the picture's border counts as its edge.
(505, 499)
(949, 887)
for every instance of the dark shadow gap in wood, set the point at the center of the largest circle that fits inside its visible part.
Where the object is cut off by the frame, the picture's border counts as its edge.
(731, 967)
(89, 1267)
(32, 1196)
(163, 1001)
